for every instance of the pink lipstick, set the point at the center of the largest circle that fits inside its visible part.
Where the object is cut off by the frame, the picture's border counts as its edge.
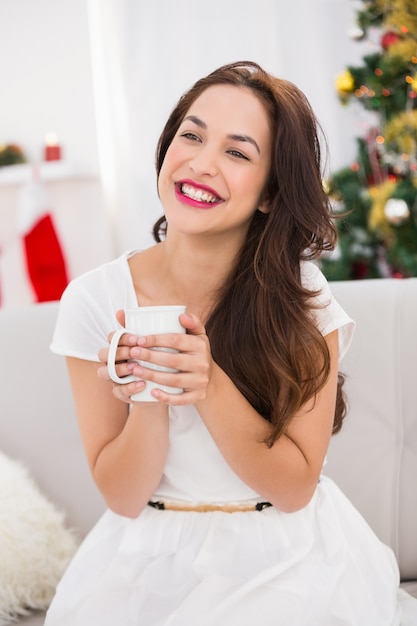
(196, 195)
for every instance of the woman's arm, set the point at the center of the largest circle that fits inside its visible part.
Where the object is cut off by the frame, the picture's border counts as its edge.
(126, 451)
(285, 474)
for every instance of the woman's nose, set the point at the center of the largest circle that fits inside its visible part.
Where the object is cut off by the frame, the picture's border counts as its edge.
(204, 162)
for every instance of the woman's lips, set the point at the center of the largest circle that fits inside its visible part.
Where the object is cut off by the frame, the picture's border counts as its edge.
(199, 196)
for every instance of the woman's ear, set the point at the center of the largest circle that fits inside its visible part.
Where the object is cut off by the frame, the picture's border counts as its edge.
(264, 203)
(264, 207)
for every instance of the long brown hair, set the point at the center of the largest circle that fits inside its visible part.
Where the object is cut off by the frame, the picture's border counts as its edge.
(262, 332)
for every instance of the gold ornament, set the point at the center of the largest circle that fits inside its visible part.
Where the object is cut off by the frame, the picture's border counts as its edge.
(344, 82)
(401, 15)
(403, 49)
(377, 219)
(401, 133)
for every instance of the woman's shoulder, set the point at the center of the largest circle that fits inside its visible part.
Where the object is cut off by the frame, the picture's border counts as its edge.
(313, 279)
(88, 306)
(107, 274)
(108, 285)
(326, 311)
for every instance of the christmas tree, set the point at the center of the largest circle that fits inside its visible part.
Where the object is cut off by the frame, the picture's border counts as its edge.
(375, 198)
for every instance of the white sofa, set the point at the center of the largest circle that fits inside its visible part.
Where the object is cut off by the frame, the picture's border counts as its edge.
(373, 459)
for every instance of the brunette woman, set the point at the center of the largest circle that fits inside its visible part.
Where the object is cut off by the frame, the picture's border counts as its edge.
(218, 510)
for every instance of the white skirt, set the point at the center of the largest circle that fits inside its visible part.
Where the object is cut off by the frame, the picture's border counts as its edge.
(321, 566)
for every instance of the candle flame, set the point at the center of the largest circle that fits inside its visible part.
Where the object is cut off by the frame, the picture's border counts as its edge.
(51, 139)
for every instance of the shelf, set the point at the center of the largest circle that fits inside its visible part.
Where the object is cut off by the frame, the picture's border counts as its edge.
(48, 172)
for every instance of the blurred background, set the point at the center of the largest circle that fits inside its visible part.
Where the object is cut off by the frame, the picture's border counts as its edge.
(87, 85)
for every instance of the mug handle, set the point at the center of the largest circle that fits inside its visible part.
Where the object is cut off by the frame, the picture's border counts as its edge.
(111, 364)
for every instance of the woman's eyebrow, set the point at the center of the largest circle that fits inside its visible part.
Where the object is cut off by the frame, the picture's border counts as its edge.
(198, 122)
(245, 138)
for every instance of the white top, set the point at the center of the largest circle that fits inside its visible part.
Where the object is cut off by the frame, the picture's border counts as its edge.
(90, 302)
(88, 314)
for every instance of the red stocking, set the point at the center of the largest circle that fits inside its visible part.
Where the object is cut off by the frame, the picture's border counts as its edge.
(44, 260)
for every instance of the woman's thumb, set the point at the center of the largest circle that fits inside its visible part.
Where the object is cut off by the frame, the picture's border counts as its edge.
(192, 324)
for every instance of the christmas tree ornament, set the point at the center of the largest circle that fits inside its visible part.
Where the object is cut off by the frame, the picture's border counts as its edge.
(356, 33)
(377, 219)
(396, 211)
(337, 205)
(389, 38)
(401, 133)
(344, 82)
(402, 50)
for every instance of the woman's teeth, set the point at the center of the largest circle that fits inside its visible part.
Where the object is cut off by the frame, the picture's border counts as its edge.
(197, 194)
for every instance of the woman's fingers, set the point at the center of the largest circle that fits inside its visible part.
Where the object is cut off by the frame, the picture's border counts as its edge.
(127, 341)
(188, 355)
(120, 316)
(192, 324)
(124, 366)
(185, 360)
(125, 392)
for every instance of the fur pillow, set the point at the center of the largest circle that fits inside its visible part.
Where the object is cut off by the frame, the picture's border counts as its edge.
(35, 546)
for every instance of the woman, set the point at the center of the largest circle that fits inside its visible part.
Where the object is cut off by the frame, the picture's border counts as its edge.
(218, 511)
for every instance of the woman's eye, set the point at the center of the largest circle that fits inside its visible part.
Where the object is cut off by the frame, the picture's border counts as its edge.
(238, 154)
(190, 136)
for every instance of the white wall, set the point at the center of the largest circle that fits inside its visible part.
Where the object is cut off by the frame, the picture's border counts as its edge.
(304, 41)
(314, 48)
(166, 45)
(46, 80)
(46, 85)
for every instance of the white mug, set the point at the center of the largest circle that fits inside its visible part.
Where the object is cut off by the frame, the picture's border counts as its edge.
(141, 321)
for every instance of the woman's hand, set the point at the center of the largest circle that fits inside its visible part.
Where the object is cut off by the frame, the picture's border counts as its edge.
(123, 366)
(192, 359)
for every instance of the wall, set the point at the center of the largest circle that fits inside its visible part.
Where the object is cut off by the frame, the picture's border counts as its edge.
(166, 45)
(46, 85)
(46, 79)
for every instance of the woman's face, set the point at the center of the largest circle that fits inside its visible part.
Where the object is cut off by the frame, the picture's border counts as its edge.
(216, 167)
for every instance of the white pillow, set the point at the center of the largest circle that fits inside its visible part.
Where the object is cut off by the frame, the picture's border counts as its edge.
(35, 545)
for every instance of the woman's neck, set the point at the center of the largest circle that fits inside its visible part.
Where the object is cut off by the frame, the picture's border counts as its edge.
(187, 271)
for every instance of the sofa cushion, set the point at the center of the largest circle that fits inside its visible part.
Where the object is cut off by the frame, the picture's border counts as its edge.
(38, 424)
(35, 545)
(374, 458)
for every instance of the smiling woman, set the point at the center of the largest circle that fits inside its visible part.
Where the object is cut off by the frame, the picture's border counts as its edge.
(218, 159)
(219, 512)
